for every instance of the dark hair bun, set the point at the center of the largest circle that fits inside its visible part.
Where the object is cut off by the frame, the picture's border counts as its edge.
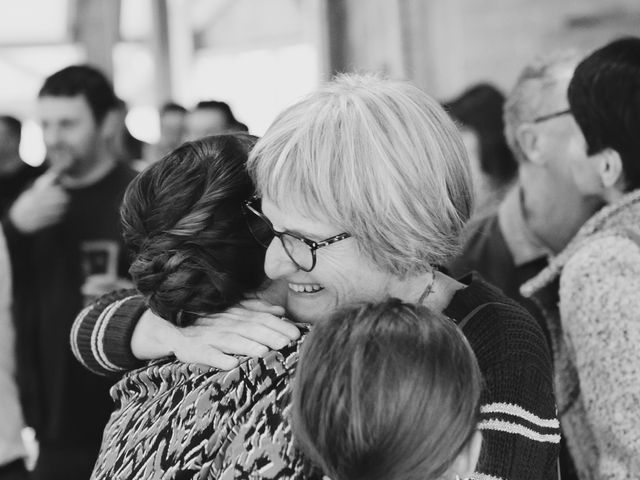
(182, 220)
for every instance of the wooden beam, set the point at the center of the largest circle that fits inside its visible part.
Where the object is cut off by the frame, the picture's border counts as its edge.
(161, 51)
(98, 30)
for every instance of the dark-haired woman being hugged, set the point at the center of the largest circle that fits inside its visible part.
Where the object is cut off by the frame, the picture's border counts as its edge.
(193, 254)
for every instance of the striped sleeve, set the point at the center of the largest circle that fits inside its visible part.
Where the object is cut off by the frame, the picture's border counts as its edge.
(101, 334)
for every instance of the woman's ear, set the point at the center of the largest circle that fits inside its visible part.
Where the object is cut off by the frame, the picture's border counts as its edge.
(609, 167)
(466, 461)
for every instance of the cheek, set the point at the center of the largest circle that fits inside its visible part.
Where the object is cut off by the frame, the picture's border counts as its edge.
(352, 277)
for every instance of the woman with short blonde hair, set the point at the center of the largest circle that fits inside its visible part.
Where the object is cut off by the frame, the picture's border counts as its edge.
(362, 191)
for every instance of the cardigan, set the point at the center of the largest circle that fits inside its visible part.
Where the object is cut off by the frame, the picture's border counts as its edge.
(595, 333)
(517, 418)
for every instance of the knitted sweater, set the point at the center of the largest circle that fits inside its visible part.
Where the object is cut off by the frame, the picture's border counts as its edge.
(520, 429)
(595, 333)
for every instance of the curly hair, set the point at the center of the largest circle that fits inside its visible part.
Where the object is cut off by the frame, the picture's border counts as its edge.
(182, 220)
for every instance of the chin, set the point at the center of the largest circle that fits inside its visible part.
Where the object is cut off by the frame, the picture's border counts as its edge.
(307, 310)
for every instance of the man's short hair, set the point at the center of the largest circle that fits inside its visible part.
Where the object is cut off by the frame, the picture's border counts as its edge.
(171, 107)
(528, 97)
(604, 96)
(13, 125)
(219, 106)
(86, 81)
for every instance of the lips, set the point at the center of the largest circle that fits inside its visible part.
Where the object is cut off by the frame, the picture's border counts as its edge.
(305, 287)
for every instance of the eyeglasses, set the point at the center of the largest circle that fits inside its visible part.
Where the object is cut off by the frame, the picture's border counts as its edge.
(544, 118)
(300, 250)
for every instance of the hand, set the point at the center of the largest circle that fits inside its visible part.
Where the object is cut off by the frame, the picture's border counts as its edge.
(40, 206)
(252, 328)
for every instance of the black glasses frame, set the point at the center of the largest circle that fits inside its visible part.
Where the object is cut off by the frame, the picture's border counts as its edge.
(311, 244)
(544, 118)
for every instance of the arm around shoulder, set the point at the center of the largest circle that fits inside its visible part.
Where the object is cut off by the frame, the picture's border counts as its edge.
(102, 332)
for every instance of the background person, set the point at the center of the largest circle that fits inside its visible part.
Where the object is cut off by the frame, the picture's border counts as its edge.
(478, 111)
(338, 176)
(172, 132)
(388, 391)
(595, 330)
(211, 117)
(15, 174)
(65, 247)
(545, 209)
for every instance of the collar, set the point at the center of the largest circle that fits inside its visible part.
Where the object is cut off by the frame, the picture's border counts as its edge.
(617, 219)
(523, 244)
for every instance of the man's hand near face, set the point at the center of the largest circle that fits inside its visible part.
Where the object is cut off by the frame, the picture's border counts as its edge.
(41, 206)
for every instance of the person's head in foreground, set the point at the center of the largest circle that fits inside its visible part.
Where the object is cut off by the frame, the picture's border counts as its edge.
(388, 391)
(366, 183)
(604, 97)
(192, 251)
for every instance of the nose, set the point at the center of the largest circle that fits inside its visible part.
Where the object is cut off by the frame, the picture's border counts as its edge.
(50, 135)
(277, 263)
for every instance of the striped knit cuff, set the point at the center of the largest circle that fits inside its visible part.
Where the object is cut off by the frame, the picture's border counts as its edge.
(101, 334)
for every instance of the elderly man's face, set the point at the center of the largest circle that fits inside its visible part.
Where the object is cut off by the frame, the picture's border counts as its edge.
(342, 274)
(559, 142)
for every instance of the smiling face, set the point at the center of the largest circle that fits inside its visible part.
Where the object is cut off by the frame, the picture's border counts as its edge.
(342, 273)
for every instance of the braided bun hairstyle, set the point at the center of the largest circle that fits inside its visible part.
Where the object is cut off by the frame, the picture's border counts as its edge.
(182, 220)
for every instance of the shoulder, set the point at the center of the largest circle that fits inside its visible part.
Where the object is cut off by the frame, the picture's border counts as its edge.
(500, 330)
(614, 252)
(603, 275)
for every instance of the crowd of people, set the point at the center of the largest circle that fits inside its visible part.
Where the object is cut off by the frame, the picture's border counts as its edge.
(329, 300)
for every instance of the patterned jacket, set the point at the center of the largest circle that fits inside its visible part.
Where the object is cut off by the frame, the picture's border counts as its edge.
(595, 332)
(185, 421)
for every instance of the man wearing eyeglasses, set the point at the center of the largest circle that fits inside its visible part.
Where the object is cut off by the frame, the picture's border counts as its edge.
(545, 209)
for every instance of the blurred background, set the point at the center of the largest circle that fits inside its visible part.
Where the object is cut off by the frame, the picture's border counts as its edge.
(261, 55)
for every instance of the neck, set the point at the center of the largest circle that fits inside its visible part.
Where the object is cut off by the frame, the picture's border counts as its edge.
(97, 171)
(555, 214)
(439, 296)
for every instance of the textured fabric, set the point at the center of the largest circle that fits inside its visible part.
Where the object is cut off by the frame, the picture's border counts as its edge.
(222, 425)
(66, 405)
(519, 425)
(518, 417)
(115, 316)
(595, 333)
(11, 421)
